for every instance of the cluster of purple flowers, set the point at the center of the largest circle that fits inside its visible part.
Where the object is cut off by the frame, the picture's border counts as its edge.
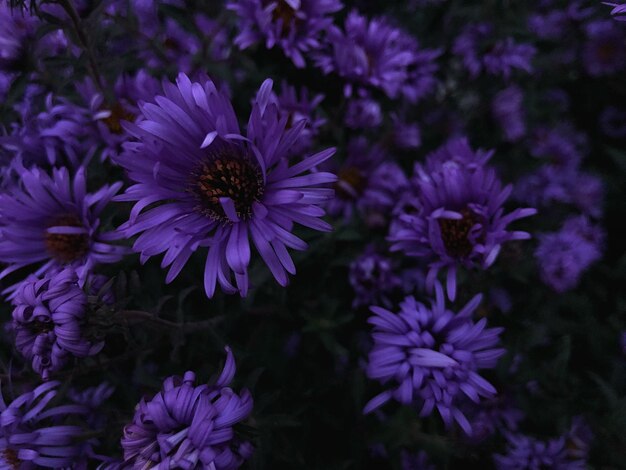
(160, 134)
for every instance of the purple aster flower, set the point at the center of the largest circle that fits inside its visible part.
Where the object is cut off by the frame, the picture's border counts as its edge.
(528, 453)
(373, 278)
(508, 111)
(52, 136)
(562, 145)
(480, 54)
(17, 28)
(49, 321)
(385, 186)
(54, 220)
(106, 118)
(190, 426)
(296, 26)
(565, 255)
(297, 107)
(354, 175)
(613, 122)
(604, 53)
(374, 53)
(461, 221)
(33, 433)
(492, 416)
(216, 187)
(619, 11)
(363, 113)
(430, 357)
(406, 135)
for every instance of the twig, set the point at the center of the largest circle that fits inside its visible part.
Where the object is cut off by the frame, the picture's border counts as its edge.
(141, 316)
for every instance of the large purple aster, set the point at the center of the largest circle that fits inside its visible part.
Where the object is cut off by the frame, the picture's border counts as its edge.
(460, 220)
(430, 356)
(49, 319)
(33, 434)
(373, 53)
(295, 26)
(214, 187)
(189, 426)
(52, 219)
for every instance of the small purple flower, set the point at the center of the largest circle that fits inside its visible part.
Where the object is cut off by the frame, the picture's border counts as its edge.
(430, 357)
(189, 426)
(461, 221)
(33, 433)
(508, 111)
(480, 54)
(492, 416)
(363, 113)
(604, 53)
(406, 135)
(49, 318)
(17, 27)
(565, 255)
(296, 26)
(527, 453)
(374, 53)
(372, 277)
(54, 220)
(561, 145)
(208, 185)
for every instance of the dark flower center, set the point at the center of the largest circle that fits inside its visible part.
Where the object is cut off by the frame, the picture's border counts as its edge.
(455, 234)
(118, 114)
(284, 12)
(66, 247)
(228, 172)
(352, 177)
(39, 327)
(10, 458)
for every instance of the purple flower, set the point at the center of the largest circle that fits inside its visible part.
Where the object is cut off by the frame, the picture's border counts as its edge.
(385, 186)
(461, 221)
(406, 135)
(92, 398)
(415, 461)
(372, 277)
(49, 321)
(297, 107)
(216, 187)
(604, 52)
(296, 26)
(33, 433)
(54, 220)
(579, 438)
(562, 145)
(430, 357)
(374, 53)
(563, 256)
(481, 55)
(17, 28)
(492, 416)
(363, 113)
(613, 122)
(508, 111)
(189, 426)
(528, 453)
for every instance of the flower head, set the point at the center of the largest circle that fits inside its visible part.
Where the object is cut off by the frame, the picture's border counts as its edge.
(460, 221)
(296, 26)
(565, 255)
(507, 109)
(49, 321)
(430, 357)
(52, 219)
(189, 426)
(372, 277)
(210, 186)
(604, 52)
(373, 53)
(33, 433)
(528, 453)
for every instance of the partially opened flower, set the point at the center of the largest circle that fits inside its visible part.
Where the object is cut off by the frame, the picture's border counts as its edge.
(34, 434)
(429, 356)
(49, 321)
(52, 220)
(461, 221)
(296, 26)
(189, 426)
(205, 184)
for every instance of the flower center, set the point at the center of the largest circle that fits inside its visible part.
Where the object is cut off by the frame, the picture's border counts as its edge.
(66, 247)
(39, 327)
(455, 234)
(228, 172)
(350, 177)
(118, 114)
(10, 459)
(285, 13)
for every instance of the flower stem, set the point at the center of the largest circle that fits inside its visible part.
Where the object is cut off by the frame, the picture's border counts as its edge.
(139, 316)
